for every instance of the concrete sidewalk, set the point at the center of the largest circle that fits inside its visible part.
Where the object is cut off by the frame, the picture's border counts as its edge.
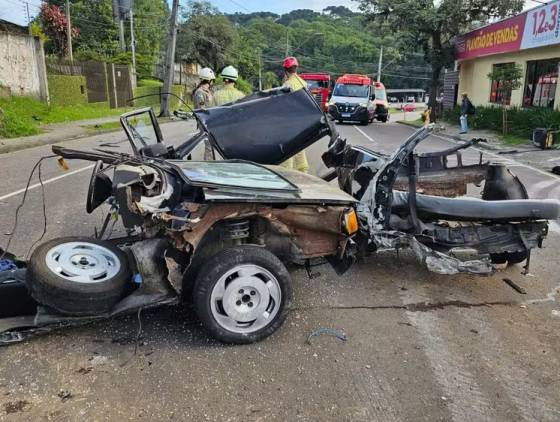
(54, 133)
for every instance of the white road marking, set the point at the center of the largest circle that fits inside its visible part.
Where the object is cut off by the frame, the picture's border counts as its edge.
(45, 182)
(369, 138)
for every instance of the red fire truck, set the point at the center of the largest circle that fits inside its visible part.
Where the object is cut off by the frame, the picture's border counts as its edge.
(319, 84)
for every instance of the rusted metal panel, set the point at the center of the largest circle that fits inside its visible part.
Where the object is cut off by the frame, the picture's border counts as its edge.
(316, 230)
(450, 182)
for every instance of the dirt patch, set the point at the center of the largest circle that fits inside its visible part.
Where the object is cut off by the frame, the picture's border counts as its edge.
(15, 406)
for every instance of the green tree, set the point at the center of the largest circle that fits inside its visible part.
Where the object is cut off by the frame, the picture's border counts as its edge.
(206, 37)
(434, 24)
(508, 78)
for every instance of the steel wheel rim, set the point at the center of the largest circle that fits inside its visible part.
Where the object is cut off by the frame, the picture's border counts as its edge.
(245, 299)
(83, 262)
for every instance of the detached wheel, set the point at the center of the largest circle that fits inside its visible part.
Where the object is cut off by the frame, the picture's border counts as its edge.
(78, 276)
(242, 294)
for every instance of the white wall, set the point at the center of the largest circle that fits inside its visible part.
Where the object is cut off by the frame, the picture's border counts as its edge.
(22, 65)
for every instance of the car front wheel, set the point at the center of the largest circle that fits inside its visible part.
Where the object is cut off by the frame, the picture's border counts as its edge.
(242, 294)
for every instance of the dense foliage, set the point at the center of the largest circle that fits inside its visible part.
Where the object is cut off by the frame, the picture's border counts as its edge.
(98, 32)
(432, 25)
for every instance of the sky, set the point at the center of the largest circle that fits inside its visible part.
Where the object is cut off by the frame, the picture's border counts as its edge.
(15, 10)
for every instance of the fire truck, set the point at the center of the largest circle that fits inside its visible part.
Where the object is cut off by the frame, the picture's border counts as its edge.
(319, 84)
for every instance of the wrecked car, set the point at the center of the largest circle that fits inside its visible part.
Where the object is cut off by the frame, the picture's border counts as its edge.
(222, 233)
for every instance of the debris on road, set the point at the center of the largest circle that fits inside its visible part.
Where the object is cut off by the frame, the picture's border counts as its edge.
(514, 286)
(335, 333)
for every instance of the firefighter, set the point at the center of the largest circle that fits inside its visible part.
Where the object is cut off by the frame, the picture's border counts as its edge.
(229, 93)
(204, 98)
(295, 82)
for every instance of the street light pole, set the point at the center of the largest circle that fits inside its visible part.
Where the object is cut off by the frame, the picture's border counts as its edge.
(260, 72)
(69, 32)
(379, 64)
(133, 45)
(169, 61)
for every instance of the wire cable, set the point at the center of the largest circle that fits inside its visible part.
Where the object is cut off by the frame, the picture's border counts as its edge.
(20, 206)
(44, 212)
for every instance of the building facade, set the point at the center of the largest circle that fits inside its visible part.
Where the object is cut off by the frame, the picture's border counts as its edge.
(530, 40)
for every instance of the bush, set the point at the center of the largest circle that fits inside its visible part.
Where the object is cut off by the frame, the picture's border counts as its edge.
(67, 90)
(521, 121)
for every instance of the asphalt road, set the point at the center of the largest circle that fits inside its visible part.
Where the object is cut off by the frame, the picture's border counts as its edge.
(420, 346)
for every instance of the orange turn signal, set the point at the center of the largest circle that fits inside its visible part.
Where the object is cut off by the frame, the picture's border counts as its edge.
(350, 221)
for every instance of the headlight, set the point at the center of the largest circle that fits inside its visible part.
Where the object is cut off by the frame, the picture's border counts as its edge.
(364, 105)
(350, 221)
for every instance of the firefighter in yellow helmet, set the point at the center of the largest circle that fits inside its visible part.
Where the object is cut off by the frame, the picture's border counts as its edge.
(203, 97)
(229, 93)
(295, 82)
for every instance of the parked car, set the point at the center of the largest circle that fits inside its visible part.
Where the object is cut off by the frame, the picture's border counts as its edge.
(221, 233)
(408, 107)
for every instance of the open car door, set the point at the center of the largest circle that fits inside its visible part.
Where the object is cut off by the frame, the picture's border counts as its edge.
(143, 132)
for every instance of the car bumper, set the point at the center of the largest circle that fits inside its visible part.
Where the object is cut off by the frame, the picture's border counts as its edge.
(360, 114)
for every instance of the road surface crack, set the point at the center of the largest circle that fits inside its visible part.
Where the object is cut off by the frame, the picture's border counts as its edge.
(413, 307)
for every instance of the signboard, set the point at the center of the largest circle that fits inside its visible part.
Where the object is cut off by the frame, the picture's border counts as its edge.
(538, 27)
(542, 26)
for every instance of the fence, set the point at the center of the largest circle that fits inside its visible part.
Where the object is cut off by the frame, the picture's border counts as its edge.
(104, 82)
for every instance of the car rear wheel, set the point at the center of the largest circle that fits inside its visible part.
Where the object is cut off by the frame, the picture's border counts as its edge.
(78, 276)
(242, 294)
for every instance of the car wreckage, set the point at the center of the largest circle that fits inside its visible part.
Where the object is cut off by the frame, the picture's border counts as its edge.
(221, 233)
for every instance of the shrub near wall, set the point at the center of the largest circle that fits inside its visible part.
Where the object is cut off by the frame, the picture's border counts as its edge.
(67, 90)
(521, 121)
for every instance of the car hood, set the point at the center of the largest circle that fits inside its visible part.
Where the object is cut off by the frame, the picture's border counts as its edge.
(267, 127)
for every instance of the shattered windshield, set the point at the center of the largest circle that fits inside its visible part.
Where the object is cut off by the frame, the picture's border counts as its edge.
(233, 173)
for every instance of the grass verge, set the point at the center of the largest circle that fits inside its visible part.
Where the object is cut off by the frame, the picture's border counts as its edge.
(23, 116)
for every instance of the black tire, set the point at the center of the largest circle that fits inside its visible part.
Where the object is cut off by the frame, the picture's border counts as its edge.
(383, 119)
(364, 122)
(72, 297)
(218, 266)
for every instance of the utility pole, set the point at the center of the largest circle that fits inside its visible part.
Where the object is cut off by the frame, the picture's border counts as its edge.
(133, 45)
(260, 72)
(28, 18)
(379, 64)
(169, 61)
(122, 43)
(287, 41)
(69, 32)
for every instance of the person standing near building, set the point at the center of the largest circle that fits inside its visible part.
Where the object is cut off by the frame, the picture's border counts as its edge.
(295, 83)
(466, 109)
(229, 93)
(203, 97)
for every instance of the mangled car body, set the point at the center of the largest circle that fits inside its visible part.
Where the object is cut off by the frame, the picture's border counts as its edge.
(220, 233)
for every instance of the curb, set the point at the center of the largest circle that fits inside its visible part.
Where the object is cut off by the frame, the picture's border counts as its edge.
(5, 149)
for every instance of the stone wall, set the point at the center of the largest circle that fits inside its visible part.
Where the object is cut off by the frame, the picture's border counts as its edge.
(22, 65)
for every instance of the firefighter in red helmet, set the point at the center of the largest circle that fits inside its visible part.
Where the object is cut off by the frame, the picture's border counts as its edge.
(295, 83)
